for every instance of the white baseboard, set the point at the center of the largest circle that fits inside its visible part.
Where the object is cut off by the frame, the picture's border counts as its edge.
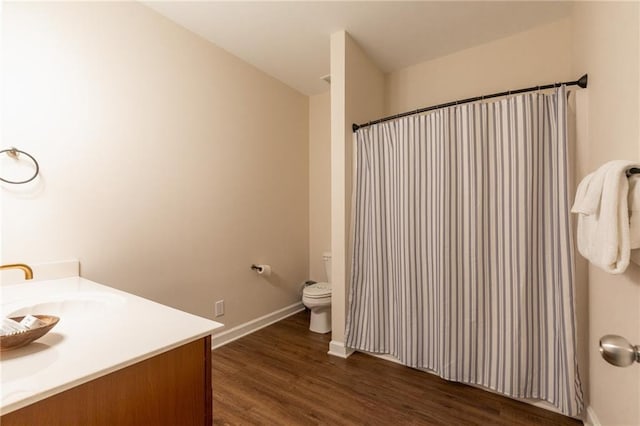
(339, 349)
(592, 419)
(43, 271)
(220, 339)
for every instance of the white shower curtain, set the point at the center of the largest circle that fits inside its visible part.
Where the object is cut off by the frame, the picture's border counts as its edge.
(462, 247)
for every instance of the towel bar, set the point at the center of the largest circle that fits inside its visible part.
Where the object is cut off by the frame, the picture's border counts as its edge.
(633, 171)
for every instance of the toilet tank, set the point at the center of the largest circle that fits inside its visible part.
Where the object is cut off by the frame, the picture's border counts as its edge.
(326, 258)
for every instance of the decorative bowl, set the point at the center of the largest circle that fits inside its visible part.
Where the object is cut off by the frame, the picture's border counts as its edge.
(22, 338)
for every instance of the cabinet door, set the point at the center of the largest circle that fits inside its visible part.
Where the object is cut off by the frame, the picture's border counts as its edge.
(173, 388)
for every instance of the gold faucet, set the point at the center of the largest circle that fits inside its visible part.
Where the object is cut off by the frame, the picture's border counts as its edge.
(28, 272)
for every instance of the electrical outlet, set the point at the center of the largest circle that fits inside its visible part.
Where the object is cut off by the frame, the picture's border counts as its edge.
(219, 308)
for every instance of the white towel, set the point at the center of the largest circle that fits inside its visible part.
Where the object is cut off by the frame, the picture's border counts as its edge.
(603, 221)
(634, 211)
(634, 217)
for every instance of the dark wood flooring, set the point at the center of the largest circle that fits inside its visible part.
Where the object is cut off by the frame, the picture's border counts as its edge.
(282, 375)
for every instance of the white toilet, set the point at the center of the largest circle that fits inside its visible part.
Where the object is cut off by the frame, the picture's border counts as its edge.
(317, 297)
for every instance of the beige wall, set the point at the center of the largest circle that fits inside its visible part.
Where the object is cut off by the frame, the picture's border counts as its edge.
(357, 95)
(319, 183)
(168, 165)
(606, 44)
(540, 55)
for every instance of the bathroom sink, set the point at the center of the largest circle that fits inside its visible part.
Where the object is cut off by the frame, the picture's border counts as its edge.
(76, 304)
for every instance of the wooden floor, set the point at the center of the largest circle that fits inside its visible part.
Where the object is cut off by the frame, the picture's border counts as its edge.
(282, 375)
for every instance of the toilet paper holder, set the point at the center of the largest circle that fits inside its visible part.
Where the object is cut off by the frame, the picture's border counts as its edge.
(263, 270)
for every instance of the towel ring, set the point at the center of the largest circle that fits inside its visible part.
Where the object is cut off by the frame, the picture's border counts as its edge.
(15, 153)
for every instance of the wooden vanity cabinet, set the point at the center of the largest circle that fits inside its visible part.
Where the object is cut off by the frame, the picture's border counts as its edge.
(172, 388)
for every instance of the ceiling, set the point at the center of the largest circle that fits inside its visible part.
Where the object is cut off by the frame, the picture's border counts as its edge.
(290, 40)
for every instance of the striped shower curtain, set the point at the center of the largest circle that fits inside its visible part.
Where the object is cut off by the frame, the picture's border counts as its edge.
(462, 248)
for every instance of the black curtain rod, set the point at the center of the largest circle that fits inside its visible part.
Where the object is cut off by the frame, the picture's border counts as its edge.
(582, 82)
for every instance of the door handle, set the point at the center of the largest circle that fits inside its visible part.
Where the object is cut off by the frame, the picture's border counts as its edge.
(618, 351)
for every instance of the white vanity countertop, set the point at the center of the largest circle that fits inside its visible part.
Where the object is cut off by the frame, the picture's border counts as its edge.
(101, 330)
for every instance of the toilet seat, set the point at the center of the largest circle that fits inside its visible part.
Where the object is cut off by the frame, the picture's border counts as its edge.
(317, 291)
